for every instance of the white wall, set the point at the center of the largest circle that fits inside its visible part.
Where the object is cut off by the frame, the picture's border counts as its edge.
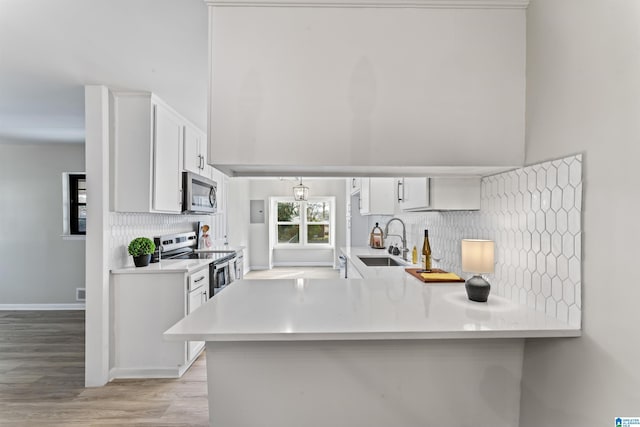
(584, 96)
(262, 189)
(238, 215)
(36, 265)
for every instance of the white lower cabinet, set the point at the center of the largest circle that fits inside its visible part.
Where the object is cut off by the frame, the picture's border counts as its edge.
(198, 288)
(143, 306)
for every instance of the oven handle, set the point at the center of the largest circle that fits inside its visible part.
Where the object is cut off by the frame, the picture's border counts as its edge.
(220, 265)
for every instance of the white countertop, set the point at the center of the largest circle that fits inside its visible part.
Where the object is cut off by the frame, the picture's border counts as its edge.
(224, 249)
(358, 309)
(168, 266)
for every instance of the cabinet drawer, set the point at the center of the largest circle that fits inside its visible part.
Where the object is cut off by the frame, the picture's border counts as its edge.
(199, 278)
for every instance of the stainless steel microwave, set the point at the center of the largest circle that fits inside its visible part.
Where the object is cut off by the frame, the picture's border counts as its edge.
(199, 194)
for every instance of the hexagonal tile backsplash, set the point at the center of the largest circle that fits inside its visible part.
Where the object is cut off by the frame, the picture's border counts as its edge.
(534, 216)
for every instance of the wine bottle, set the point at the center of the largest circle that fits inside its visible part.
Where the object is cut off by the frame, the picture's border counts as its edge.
(426, 252)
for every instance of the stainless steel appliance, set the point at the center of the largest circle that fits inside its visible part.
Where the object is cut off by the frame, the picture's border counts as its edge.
(221, 271)
(182, 246)
(199, 194)
(173, 246)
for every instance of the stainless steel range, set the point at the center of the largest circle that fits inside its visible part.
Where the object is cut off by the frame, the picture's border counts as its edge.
(183, 245)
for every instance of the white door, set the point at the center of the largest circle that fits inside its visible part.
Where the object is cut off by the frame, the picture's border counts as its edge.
(167, 185)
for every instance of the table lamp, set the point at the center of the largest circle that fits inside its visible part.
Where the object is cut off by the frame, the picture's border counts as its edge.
(477, 258)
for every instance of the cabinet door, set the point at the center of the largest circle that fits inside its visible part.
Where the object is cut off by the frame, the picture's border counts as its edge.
(207, 170)
(167, 164)
(355, 185)
(414, 194)
(193, 161)
(196, 299)
(376, 196)
(365, 196)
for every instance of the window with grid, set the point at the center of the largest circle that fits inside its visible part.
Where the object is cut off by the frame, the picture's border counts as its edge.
(303, 223)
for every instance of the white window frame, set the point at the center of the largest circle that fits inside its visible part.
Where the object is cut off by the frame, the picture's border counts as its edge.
(303, 243)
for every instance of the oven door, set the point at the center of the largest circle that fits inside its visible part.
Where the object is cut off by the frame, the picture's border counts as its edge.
(200, 194)
(219, 277)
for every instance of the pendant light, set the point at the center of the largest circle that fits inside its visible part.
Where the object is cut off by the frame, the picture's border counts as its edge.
(300, 192)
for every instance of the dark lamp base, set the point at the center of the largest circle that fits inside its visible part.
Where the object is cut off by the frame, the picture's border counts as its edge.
(477, 289)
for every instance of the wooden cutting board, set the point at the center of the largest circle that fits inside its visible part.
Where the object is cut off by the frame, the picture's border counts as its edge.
(414, 273)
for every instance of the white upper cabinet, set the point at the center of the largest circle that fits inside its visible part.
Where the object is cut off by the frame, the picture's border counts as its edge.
(413, 194)
(195, 151)
(438, 194)
(376, 196)
(147, 153)
(306, 88)
(192, 150)
(167, 168)
(354, 185)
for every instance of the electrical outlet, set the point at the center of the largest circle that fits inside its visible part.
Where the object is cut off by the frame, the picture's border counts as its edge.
(81, 294)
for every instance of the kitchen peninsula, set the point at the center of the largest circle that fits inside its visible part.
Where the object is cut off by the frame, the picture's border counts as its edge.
(372, 351)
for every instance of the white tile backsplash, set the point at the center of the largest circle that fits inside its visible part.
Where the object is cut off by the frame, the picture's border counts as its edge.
(127, 226)
(534, 216)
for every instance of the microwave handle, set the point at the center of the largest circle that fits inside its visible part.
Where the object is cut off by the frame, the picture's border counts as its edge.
(212, 197)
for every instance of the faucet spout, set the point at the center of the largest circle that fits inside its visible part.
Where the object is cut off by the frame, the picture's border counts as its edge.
(405, 250)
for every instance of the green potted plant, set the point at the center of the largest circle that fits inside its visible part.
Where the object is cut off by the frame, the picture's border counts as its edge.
(141, 249)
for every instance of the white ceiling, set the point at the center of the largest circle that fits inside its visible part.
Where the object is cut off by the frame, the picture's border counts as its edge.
(49, 49)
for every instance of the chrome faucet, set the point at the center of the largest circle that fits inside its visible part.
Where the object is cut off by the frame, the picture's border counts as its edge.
(405, 250)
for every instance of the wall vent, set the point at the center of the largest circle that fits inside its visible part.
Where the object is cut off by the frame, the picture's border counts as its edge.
(81, 294)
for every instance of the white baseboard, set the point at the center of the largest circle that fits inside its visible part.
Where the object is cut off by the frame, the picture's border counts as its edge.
(259, 267)
(36, 307)
(132, 373)
(168, 372)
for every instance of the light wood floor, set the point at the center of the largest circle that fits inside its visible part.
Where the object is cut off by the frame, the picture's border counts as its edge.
(42, 380)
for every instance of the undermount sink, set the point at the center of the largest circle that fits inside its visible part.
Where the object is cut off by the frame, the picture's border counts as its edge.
(380, 261)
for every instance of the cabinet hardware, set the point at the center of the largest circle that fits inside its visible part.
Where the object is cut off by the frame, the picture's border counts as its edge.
(199, 280)
(400, 198)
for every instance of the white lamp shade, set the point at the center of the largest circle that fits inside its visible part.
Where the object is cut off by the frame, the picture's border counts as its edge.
(477, 256)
